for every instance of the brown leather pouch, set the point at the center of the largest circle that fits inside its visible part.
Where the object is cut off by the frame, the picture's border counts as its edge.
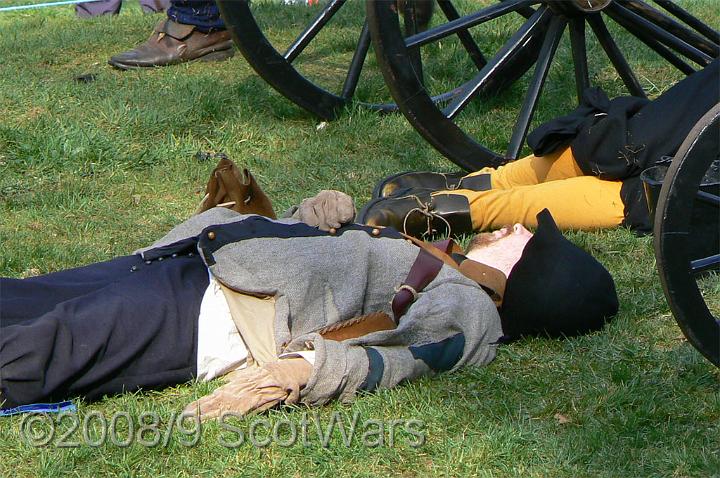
(358, 326)
(229, 187)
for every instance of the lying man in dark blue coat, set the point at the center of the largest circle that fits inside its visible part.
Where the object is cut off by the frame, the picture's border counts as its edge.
(305, 309)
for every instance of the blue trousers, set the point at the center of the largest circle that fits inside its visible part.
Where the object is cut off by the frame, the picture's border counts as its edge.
(204, 14)
(101, 329)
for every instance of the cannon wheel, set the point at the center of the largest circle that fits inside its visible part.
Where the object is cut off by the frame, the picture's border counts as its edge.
(680, 41)
(279, 68)
(676, 228)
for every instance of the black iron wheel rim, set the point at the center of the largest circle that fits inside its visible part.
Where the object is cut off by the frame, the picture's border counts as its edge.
(278, 70)
(537, 38)
(673, 234)
(272, 66)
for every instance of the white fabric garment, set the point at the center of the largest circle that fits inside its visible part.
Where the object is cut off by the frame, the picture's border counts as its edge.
(220, 347)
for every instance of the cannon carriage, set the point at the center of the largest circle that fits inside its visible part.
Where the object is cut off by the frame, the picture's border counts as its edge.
(500, 43)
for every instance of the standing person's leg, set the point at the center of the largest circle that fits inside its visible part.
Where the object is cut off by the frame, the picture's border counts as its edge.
(95, 9)
(137, 332)
(154, 6)
(193, 30)
(112, 7)
(203, 14)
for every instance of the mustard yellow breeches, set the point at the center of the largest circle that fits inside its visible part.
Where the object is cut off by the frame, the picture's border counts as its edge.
(525, 187)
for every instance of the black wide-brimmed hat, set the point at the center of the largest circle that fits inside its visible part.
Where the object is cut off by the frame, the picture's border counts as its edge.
(556, 288)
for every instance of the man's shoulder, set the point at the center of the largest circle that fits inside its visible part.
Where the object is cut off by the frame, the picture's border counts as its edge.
(194, 225)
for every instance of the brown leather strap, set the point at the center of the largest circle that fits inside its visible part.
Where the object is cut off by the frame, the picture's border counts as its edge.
(489, 278)
(446, 247)
(441, 250)
(428, 263)
(178, 31)
(423, 271)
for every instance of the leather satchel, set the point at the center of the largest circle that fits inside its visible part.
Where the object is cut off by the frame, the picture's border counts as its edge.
(230, 187)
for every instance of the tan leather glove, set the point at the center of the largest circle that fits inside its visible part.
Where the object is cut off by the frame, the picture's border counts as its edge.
(328, 209)
(255, 389)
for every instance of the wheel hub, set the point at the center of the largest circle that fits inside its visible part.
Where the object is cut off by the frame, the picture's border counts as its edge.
(589, 6)
(578, 7)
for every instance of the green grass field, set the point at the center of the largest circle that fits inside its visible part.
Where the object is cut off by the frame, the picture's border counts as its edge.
(93, 170)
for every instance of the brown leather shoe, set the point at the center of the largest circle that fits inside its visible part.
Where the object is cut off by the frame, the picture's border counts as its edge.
(173, 43)
(416, 213)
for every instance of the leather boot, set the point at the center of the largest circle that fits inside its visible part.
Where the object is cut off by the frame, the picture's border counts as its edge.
(172, 43)
(416, 213)
(430, 180)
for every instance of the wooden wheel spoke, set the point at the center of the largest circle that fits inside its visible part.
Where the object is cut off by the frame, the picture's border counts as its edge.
(579, 53)
(440, 117)
(356, 64)
(455, 26)
(697, 25)
(705, 264)
(711, 262)
(658, 18)
(639, 24)
(708, 198)
(516, 42)
(547, 52)
(615, 55)
(653, 44)
(465, 38)
(307, 36)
